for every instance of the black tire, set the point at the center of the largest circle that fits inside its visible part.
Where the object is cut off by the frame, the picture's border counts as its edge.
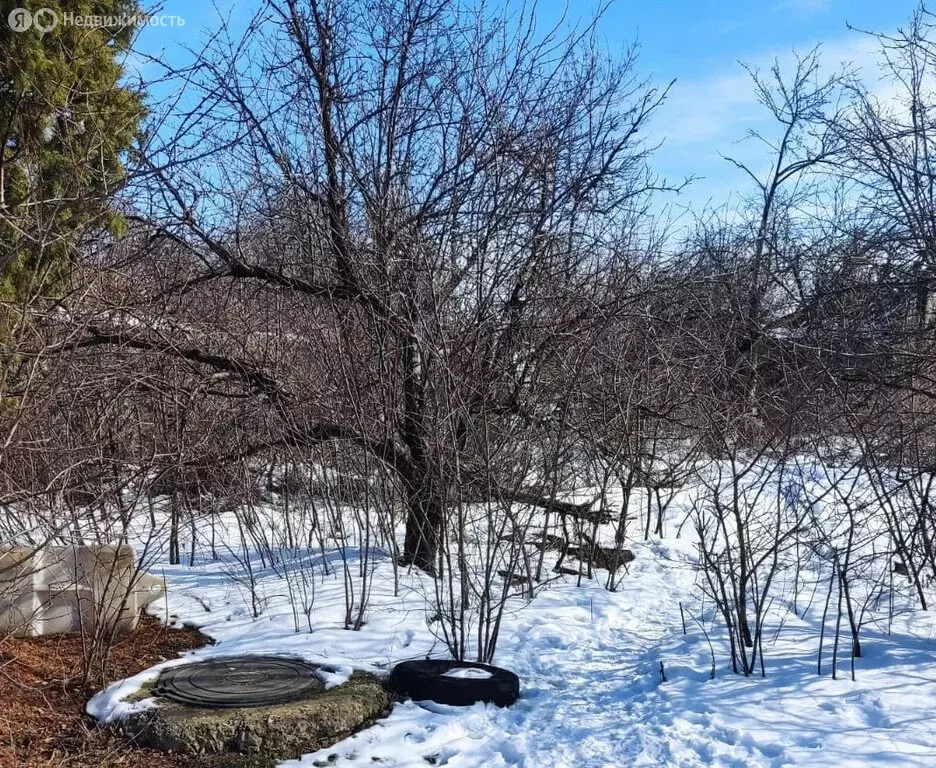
(425, 680)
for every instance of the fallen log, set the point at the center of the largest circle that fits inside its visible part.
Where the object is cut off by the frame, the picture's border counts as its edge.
(580, 511)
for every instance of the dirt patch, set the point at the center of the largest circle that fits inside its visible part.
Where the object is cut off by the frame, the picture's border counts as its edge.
(42, 716)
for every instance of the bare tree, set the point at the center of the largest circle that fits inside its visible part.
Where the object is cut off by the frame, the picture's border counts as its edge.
(444, 206)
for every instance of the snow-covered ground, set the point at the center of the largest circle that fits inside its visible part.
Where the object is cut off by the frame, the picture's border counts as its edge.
(591, 664)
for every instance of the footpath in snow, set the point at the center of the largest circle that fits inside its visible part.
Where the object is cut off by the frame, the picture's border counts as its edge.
(590, 667)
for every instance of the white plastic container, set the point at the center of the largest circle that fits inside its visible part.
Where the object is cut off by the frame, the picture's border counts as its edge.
(57, 590)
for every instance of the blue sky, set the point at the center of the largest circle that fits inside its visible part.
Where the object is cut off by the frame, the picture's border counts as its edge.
(697, 42)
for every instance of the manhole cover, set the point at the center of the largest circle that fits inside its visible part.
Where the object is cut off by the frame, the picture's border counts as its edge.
(242, 681)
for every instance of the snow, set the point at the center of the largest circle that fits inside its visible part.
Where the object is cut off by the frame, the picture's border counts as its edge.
(111, 704)
(468, 673)
(607, 678)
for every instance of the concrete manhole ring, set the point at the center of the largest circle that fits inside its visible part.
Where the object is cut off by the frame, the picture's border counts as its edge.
(236, 705)
(241, 681)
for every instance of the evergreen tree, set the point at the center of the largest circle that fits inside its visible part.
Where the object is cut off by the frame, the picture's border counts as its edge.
(67, 121)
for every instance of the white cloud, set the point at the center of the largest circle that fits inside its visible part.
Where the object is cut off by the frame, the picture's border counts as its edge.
(705, 109)
(803, 5)
(707, 117)
(720, 107)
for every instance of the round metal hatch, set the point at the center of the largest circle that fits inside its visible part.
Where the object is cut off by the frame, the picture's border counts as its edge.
(240, 681)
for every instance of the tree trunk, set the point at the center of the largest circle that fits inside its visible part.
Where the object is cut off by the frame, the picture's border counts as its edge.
(423, 529)
(424, 515)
